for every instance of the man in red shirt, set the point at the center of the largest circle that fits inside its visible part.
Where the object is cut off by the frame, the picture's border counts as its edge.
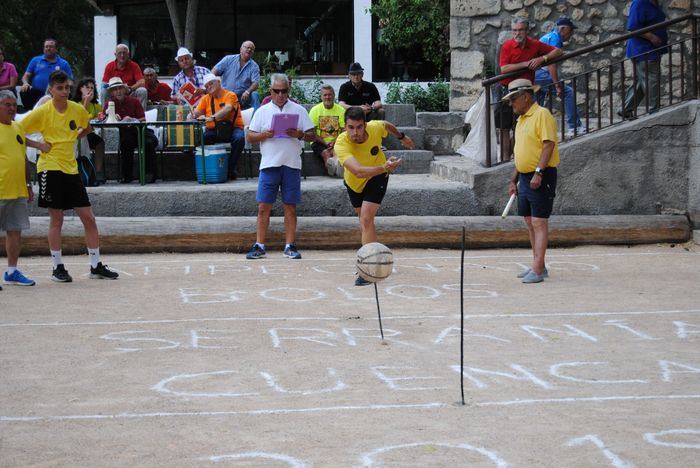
(129, 109)
(158, 93)
(518, 53)
(130, 74)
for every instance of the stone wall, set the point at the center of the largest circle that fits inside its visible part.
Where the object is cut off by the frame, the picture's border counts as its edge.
(479, 27)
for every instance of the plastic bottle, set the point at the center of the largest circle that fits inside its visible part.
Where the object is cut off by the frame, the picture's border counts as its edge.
(178, 115)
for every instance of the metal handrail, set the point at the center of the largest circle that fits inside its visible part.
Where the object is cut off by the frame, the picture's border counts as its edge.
(596, 72)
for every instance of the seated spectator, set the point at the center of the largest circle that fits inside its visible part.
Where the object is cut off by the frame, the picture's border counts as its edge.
(8, 74)
(358, 92)
(189, 72)
(216, 106)
(129, 109)
(35, 81)
(86, 94)
(241, 74)
(130, 74)
(158, 93)
(329, 119)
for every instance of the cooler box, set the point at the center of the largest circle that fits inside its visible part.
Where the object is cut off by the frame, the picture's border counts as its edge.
(215, 163)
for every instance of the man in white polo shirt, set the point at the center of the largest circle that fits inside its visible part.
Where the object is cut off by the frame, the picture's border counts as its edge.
(280, 164)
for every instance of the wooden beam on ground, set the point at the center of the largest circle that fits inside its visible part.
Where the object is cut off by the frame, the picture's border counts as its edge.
(237, 234)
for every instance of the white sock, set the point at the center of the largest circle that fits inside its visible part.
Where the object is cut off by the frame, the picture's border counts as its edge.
(262, 246)
(11, 270)
(94, 257)
(56, 258)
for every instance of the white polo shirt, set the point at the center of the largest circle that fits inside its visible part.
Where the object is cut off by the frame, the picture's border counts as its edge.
(276, 152)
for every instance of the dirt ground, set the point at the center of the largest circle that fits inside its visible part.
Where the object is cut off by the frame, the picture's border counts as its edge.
(196, 360)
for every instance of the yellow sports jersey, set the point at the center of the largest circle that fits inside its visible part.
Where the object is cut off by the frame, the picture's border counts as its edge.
(533, 128)
(368, 153)
(328, 122)
(59, 129)
(13, 150)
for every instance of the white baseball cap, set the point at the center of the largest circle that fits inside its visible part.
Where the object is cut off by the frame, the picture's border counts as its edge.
(209, 77)
(182, 51)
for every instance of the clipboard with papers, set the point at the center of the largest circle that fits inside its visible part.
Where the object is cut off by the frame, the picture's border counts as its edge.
(282, 122)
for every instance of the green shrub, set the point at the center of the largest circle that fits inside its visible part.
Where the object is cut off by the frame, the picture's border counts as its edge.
(435, 99)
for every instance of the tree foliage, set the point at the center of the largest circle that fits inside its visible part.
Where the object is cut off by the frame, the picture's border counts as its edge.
(422, 23)
(27, 24)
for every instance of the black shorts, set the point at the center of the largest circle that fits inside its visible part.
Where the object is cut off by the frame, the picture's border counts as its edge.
(374, 191)
(93, 140)
(318, 148)
(537, 203)
(61, 191)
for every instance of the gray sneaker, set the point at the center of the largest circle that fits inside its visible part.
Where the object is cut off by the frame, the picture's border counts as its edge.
(533, 277)
(524, 273)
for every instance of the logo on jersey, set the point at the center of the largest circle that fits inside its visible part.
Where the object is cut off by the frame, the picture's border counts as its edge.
(374, 150)
(20, 140)
(72, 125)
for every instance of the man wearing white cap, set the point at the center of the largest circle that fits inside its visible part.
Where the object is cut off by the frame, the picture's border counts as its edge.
(535, 177)
(190, 73)
(216, 107)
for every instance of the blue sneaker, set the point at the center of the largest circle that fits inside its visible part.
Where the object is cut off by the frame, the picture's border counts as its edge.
(292, 252)
(18, 279)
(255, 252)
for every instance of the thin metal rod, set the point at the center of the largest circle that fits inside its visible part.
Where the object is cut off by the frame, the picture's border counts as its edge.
(379, 312)
(461, 315)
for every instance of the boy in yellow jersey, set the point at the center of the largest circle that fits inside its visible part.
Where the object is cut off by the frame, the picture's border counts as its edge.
(62, 122)
(15, 189)
(359, 150)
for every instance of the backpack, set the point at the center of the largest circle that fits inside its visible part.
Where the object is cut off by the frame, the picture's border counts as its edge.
(87, 171)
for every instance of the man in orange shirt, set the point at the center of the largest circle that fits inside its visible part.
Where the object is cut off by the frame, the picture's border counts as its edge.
(216, 107)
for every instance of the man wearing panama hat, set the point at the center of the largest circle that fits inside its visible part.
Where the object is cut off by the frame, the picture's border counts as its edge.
(129, 108)
(535, 177)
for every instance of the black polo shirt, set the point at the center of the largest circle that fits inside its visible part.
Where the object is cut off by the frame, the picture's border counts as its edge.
(351, 96)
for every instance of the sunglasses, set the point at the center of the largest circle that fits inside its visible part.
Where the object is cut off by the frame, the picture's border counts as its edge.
(512, 99)
(280, 91)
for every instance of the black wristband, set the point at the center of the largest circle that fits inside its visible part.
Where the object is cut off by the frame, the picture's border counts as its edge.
(402, 135)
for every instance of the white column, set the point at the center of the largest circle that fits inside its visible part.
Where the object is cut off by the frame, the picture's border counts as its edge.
(105, 42)
(363, 42)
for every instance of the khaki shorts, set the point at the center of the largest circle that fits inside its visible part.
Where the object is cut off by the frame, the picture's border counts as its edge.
(14, 215)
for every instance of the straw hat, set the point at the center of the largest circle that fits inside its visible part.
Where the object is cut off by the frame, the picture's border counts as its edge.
(521, 84)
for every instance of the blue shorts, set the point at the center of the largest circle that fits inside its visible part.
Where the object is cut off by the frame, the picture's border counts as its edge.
(537, 203)
(274, 179)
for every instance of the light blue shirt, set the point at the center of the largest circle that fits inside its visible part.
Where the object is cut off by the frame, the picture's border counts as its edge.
(40, 68)
(233, 77)
(552, 38)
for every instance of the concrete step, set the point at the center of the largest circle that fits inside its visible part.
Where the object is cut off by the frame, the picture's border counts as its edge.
(236, 234)
(409, 194)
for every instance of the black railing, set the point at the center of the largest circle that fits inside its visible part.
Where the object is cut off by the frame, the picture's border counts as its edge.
(599, 85)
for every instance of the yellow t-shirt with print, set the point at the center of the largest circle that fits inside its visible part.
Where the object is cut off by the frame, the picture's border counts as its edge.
(533, 128)
(13, 150)
(368, 153)
(59, 129)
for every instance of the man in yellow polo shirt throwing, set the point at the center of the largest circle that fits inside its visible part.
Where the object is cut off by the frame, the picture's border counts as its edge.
(61, 122)
(359, 150)
(535, 178)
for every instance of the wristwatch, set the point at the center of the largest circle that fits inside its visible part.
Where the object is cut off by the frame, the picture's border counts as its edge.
(538, 170)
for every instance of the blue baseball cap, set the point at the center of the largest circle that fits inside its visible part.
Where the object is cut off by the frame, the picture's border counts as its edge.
(565, 21)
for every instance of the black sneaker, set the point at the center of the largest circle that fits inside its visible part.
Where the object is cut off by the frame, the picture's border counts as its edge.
(102, 272)
(360, 281)
(60, 274)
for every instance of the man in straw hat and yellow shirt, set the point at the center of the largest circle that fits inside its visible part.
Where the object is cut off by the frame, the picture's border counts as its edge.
(535, 178)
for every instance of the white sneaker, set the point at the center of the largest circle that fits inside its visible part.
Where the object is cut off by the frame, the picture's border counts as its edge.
(581, 130)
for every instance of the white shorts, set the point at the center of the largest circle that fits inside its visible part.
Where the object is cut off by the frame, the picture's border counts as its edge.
(14, 215)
